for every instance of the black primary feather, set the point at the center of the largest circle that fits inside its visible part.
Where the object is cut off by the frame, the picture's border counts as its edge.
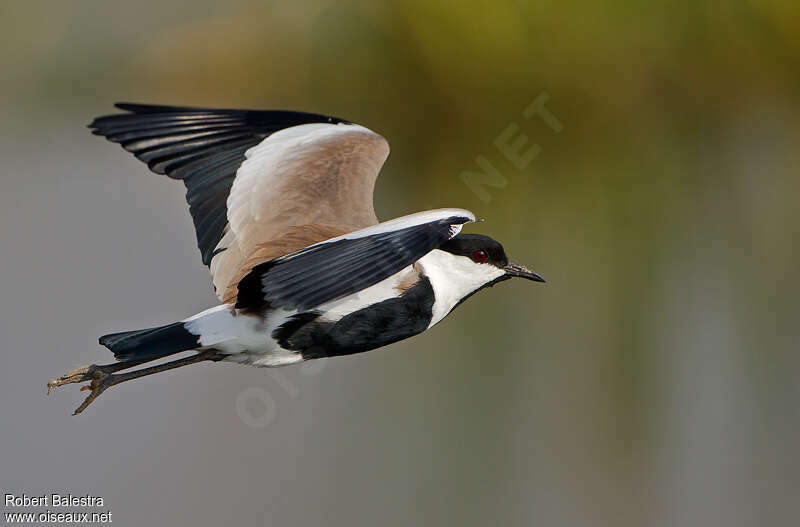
(204, 147)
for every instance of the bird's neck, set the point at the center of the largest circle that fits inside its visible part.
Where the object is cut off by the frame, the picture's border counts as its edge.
(454, 278)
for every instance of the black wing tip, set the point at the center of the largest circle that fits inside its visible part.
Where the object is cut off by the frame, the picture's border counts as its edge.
(146, 108)
(157, 135)
(140, 108)
(135, 108)
(459, 220)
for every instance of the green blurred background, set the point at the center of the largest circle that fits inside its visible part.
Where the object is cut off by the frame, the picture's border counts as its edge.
(652, 381)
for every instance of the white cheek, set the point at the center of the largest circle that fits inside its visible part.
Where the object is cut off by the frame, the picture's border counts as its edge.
(454, 277)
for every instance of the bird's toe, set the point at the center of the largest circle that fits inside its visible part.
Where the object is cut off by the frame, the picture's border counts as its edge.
(95, 388)
(84, 373)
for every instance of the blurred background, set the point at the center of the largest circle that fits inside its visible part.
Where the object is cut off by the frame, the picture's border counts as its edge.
(653, 381)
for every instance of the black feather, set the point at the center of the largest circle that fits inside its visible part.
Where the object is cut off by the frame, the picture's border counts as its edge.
(202, 146)
(151, 342)
(327, 271)
(372, 327)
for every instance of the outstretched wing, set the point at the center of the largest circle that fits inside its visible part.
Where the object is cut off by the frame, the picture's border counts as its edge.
(347, 264)
(254, 177)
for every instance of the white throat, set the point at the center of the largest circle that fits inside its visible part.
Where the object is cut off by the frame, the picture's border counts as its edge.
(452, 278)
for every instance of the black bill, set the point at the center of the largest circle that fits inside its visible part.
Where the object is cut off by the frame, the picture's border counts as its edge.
(521, 271)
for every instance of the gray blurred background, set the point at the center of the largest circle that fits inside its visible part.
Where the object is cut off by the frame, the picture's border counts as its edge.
(653, 381)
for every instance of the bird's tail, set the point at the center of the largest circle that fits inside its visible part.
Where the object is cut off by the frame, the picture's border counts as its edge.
(150, 343)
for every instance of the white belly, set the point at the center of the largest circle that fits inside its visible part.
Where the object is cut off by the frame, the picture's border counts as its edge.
(243, 338)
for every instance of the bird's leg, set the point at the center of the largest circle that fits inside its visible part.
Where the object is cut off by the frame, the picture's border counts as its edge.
(91, 372)
(102, 377)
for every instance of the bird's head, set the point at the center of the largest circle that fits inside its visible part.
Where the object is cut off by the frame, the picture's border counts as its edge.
(479, 261)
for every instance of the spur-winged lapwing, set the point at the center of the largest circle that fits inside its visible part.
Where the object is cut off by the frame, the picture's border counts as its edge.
(282, 206)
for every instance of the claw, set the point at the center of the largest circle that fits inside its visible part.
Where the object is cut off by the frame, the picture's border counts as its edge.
(103, 377)
(84, 373)
(99, 381)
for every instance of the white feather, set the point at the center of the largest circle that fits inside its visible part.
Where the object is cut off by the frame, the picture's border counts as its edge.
(383, 290)
(452, 278)
(243, 338)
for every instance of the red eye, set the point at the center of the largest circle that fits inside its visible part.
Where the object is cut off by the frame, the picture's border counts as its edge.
(480, 256)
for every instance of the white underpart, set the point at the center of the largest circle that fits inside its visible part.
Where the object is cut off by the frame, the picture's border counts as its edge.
(452, 278)
(244, 338)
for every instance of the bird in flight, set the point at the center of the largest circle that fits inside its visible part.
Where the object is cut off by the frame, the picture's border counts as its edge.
(282, 208)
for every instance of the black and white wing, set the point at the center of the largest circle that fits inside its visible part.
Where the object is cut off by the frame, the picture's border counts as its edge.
(347, 264)
(254, 176)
